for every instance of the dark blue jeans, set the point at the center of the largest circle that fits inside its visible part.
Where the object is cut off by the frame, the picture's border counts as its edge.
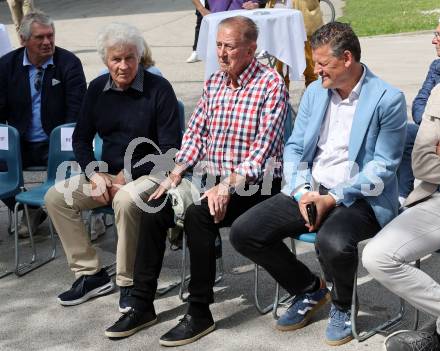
(405, 174)
(258, 234)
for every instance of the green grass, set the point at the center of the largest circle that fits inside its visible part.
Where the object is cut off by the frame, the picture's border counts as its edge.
(372, 17)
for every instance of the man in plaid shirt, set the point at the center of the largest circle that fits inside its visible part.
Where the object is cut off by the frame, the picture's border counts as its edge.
(237, 129)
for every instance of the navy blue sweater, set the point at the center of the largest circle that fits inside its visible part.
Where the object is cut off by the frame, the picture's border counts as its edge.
(121, 116)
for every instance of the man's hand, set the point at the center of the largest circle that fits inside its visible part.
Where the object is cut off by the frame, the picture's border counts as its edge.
(117, 183)
(250, 5)
(324, 203)
(171, 181)
(218, 200)
(101, 183)
(203, 11)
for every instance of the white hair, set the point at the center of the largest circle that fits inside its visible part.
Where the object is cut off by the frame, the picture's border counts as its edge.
(36, 16)
(119, 35)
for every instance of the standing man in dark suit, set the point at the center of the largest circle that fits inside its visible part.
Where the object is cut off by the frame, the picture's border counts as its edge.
(41, 87)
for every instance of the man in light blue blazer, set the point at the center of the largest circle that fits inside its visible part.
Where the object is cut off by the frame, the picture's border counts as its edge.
(340, 168)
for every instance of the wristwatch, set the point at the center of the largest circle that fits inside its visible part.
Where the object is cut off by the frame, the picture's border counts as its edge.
(231, 188)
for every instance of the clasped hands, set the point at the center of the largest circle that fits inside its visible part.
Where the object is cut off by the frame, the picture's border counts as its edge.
(104, 188)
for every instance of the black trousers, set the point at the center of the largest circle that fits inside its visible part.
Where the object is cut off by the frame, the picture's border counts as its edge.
(258, 234)
(32, 154)
(201, 232)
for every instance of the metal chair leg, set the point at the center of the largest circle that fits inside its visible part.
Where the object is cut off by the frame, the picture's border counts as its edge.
(22, 269)
(10, 223)
(277, 300)
(361, 336)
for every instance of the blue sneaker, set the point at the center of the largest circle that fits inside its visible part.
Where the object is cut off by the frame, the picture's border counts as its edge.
(302, 309)
(339, 327)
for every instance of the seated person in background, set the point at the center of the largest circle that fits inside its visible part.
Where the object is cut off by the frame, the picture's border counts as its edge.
(405, 174)
(412, 235)
(146, 61)
(126, 104)
(236, 128)
(20, 8)
(312, 21)
(342, 157)
(431, 80)
(41, 87)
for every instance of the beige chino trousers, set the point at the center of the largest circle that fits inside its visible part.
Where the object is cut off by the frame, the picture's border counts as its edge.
(65, 213)
(20, 8)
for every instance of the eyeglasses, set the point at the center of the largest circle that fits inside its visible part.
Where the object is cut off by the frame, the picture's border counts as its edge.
(38, 78)
(437, 35)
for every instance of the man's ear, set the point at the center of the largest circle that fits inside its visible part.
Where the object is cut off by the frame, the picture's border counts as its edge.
(253, 48)
(348, 58)
(22, 41)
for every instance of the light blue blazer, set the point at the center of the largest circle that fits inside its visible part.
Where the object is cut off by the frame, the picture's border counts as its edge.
(376, 145)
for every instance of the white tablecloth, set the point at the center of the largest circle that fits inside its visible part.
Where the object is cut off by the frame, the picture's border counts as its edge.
(5, 44)
(281, 34)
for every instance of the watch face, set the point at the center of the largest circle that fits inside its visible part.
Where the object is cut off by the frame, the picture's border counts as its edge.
(231, 190)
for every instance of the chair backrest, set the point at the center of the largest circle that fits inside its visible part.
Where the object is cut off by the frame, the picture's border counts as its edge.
(56, 154)
(288, 125)
(181, 116)
(97, 150)
(12, 158)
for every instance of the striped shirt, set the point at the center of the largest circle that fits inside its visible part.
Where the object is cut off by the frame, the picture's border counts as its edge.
(238, 130)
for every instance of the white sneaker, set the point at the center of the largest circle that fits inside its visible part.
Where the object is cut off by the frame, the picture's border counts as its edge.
(192, 58)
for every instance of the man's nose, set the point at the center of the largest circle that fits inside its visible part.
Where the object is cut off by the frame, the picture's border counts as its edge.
(123, 64)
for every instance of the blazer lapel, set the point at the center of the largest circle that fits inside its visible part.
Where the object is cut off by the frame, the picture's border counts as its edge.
(370, 95)
(317, 114)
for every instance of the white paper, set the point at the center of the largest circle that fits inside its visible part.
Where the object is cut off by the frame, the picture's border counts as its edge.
(4, 142)
(66, 138)
(5, 43)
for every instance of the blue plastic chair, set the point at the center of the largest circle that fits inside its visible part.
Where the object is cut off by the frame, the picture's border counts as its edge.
(35, 197)
(11, 181)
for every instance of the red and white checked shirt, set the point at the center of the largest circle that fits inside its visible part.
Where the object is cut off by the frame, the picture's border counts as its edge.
(238, 130)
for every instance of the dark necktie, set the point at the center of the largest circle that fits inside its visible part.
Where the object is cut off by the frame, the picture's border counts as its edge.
(38, 79)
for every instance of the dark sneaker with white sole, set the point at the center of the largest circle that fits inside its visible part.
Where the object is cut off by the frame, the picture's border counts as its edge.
(188, 330)
(87, 287)
(130, 323)
(125, 299)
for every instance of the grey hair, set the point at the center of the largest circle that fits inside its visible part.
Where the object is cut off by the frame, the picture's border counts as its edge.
(35, 16)
(117, 35)
(248, 28)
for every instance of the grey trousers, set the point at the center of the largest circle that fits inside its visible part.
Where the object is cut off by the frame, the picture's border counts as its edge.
(410, 236)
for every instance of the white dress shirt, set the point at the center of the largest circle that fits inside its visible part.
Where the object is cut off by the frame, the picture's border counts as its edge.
(331, 165)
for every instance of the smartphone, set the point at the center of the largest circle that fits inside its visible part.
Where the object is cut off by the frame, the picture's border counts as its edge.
(311, 213)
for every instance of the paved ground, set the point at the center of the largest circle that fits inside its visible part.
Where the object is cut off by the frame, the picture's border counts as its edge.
(29, 315)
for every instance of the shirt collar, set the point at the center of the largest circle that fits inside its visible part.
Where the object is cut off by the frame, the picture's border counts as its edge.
(26, 61)
(246, 75)
(137, 84)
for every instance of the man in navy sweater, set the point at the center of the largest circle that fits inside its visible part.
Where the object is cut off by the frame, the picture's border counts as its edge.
(125, 108)
(41, 87)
